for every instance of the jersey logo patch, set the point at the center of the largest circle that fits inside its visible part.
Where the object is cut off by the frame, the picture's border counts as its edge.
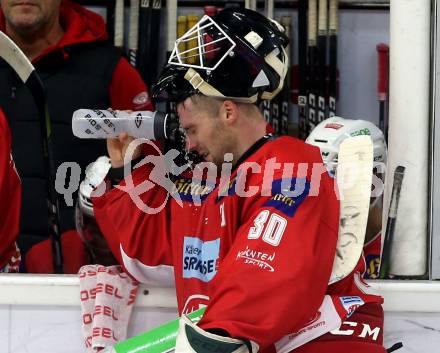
(190, 191)
(288, 194)
(260, 259)
(351, 303)
(200, 258)
(195, 302)
(226, 189)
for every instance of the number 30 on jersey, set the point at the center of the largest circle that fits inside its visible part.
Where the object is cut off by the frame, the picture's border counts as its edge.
(271, 225)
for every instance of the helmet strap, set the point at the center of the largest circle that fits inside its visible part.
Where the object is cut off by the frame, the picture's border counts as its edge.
(198, 83)
(280, 68)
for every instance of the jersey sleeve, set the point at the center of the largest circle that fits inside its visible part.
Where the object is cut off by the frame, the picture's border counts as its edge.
(135, 225)
(127, 89)
(10, 193)
(274, 278)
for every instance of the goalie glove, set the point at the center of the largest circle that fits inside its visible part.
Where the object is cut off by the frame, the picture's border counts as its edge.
(193, 339)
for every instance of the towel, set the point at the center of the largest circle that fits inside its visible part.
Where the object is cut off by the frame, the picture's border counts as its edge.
(107, 296)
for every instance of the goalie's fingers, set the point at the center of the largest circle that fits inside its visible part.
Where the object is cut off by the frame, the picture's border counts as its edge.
(124, 138)
(115, 152)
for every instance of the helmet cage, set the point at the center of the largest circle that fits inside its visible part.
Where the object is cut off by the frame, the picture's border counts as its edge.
(213, 46)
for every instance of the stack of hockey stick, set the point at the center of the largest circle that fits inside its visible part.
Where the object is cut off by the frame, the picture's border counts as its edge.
(143, 38)
(318, 27)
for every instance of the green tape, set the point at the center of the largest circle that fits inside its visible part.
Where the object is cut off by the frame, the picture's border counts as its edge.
(158, 340)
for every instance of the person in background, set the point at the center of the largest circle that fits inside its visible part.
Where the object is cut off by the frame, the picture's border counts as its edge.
(86, 244)
(328, 135)
(10, 193)
(80, 68)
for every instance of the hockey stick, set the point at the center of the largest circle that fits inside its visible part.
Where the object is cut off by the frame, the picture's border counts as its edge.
(12, 54)
(172, 23)
(303, 70)
(149, 23)
(182, 27)
(269, 6)
(133, 35)
(322, 59)
(144, 39)
(275, 106)
(269, 107)
(119, 24)
(250, 4)
(399, 174)
(311, 44)
(354, 177)
(172, 27)
(395, 347)
(210, 48)
(192, 44)
(110, 18)
(382, 84)
(285, 93)
(153, 44)
(333, 53)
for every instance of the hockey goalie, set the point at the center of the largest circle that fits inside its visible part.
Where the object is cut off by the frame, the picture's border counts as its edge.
(252, 232)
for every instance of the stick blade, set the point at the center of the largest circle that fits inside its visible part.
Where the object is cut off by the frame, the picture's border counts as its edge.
(354, 178)
(13, 55)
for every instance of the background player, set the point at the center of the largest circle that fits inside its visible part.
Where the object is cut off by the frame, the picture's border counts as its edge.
(328, 135)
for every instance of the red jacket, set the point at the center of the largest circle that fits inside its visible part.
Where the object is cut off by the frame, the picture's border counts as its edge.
(260, 263)
(10, 194)
(39, 258)
(127, 89)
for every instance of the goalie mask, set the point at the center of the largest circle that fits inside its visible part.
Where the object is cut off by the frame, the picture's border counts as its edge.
(329, 134)
(239, 55)
(86, 225)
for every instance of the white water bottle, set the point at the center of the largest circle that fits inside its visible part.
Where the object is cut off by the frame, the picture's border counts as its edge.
(102, 124)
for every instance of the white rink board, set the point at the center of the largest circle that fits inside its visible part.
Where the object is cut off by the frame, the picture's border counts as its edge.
(412, 313)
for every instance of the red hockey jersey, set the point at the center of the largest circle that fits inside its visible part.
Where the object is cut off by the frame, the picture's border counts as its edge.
(10, 194)
(257, 249)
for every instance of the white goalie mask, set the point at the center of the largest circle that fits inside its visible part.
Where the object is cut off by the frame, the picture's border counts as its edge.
(329, 134)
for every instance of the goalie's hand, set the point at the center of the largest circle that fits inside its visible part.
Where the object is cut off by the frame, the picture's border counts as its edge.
(193, 339)
(117, 147)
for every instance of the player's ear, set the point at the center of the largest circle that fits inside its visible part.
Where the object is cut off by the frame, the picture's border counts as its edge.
(229, 112)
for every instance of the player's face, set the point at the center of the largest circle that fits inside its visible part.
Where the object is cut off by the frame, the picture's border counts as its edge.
(30, 16)
(205, 134)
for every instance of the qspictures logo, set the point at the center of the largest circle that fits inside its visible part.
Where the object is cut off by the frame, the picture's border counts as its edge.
(288, 180)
